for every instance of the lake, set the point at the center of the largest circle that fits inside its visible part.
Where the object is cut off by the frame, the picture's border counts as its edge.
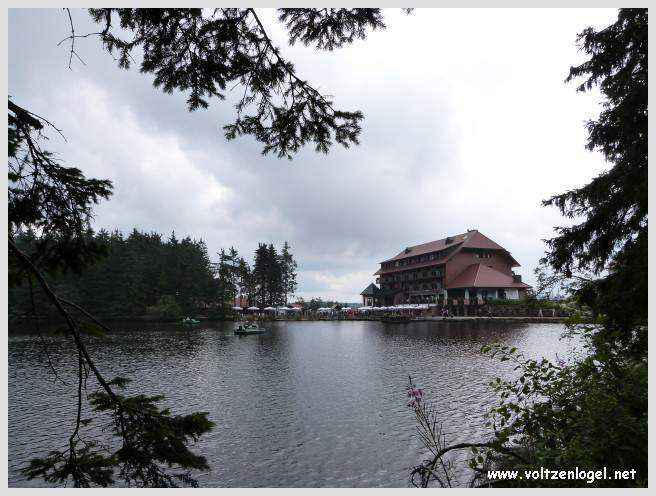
(309, 404)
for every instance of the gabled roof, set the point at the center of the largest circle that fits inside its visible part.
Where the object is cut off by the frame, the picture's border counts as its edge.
(471, 239)
(474, 239)
(481, 276)
(371, 290)
(432, 246)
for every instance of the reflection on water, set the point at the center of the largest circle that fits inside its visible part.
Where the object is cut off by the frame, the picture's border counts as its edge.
(307, 404)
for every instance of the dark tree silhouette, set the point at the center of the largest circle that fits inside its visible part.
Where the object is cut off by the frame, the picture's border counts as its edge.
(203, 53)
(208, 52)
(611, 239)
(592, 412)
(56, 201)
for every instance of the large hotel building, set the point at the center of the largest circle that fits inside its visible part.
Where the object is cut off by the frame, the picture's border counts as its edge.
(469, 266)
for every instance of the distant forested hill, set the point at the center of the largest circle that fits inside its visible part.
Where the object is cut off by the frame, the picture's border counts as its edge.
(141, 273)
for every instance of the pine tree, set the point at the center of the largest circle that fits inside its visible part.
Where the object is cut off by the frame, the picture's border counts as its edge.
(203, 53)
(227, 279)
(611, 238)
(260, 275)
(288, 272)
(274, 276)
(187, 50)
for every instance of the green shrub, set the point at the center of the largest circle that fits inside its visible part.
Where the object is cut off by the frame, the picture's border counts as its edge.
(166, 309)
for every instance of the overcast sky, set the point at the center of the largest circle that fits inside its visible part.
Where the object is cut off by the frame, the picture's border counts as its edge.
(468, 124)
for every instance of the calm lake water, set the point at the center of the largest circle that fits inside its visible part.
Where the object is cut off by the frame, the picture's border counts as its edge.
(307, 404)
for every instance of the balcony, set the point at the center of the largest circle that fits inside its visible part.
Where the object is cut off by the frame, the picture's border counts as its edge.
(425, 292)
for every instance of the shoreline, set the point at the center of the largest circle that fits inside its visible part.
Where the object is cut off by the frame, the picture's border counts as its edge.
(25, 324)
(544, 320)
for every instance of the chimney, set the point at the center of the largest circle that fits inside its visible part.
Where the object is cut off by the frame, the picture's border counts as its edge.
(517, 278)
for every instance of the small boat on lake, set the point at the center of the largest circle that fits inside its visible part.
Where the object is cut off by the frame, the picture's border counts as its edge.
(189, 321)
(246, 329)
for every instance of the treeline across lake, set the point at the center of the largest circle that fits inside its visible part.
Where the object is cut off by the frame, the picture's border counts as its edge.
(146, 274)
(270, 281)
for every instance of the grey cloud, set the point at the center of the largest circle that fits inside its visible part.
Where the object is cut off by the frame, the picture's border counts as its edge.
(468, 124)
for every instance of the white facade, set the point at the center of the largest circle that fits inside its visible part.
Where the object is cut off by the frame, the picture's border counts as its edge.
(512, 294)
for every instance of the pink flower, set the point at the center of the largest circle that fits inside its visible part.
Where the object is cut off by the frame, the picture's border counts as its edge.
(561, 363)
(416, 393)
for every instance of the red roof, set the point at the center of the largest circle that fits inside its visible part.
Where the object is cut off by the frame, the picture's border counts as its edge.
(474, 239)
(429, 247)
(478, 240)
(471, 239)
(482, 276)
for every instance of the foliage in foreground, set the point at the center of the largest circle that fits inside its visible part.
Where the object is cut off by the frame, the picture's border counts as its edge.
(203, 53)
(587, 415)
(150, 440)
(56, 202)
(206, 52)
(592, 413)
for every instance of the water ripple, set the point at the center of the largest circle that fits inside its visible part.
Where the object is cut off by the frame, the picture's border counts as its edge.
(310, 404)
